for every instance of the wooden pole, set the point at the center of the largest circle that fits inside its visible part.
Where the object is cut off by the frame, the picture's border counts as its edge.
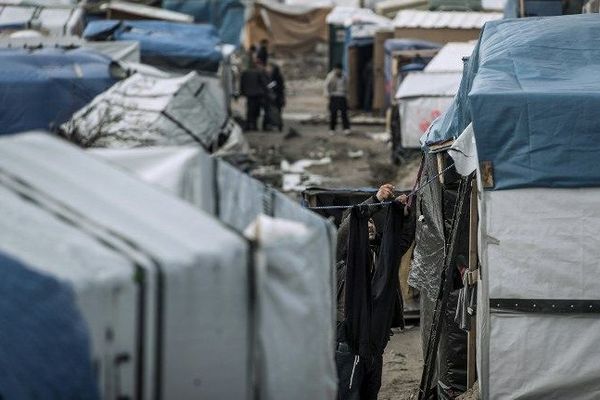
(472, 334)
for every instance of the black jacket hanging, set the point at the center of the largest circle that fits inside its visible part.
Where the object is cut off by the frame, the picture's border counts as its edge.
(398, 236)
(357, 288)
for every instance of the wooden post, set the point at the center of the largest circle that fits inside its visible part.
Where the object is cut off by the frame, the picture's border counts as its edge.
(521, 8)
(472, 334)
(440, 166)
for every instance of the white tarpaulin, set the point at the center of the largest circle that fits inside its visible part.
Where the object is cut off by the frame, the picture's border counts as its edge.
(295, 279)
(539, 244)
(192, 272)
(152, 111)
(450, 57)
(422, 97)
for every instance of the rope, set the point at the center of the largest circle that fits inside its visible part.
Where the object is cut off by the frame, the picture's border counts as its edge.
(385, 203)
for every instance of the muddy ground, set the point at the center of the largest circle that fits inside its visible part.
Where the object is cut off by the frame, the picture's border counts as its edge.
(359, 160)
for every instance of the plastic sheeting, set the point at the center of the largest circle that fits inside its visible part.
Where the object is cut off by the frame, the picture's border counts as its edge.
(296, 280)
(542, 249)
(226, 15)
(165, 44)
(194, 269)
(539, 75)
(423, 97)
(41, 89)
(56, 21)
(288, 28)
(429, 252)
(44, 341)
(152, 111)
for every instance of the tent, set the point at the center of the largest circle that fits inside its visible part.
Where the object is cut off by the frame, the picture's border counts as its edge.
(295, 286)
(423, 96)
(44, 341)
(398, 46)
(147, 110)
(54, 20)
(530, 139)
(226, 15)
(42, 88)
(289, 28)
(165, 44)
(189, 308)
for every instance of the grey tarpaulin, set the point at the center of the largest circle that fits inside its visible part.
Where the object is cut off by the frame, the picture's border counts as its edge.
(145, 110)
(196, 293)
(305, 318)
(428, 256)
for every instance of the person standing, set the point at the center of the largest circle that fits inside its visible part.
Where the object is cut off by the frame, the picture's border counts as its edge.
(262, 54)
(253, 85)
(336, 89)
(276, 96)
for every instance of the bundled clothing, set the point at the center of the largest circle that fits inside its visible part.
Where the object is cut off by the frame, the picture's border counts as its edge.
(368, 296)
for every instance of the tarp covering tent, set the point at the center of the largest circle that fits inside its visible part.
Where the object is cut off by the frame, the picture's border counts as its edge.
(165, 44)
(44, 341)
(424, 96)
(288, 28)
(295, 293)
(226, 15)
(41, 89)
(191, 272)
(56, 21)
(532, 138)
(391, 46)
(146, 110)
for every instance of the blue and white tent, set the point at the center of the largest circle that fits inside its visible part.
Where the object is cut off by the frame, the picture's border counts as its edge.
(524, 118)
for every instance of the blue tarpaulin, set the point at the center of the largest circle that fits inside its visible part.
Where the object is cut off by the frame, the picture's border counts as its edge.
(167, 44)
(42, 89)
(44, 341)
(533, 94)
(226, 15)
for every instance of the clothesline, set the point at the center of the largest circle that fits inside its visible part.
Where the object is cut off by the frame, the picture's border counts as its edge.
(386, 203)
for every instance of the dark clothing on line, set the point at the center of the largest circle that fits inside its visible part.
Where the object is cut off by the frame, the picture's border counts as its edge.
(371, 296)
(338, 105)
(366, 380)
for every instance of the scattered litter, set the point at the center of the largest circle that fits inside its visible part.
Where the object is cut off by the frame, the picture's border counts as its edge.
(300, 165)
(383, 137)
(355, 154)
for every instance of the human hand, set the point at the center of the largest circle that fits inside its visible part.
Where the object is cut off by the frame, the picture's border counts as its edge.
(385, 192)
(402, 199)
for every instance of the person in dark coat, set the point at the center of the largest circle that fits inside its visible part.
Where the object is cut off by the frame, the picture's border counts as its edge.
(275, 98)
(262, 54)
(360, 366)
(253, 85)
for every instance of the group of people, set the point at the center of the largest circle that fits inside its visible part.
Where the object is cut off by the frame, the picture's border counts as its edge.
(263, 86)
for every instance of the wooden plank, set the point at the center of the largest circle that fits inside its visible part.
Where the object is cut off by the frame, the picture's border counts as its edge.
(487, 174)
(472, 334)
(440, 167)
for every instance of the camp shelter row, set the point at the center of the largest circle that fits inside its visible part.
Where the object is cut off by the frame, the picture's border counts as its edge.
(511, 221)
(206, 297)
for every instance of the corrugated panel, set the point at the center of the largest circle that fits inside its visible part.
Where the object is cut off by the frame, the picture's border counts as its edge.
(443, 19)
